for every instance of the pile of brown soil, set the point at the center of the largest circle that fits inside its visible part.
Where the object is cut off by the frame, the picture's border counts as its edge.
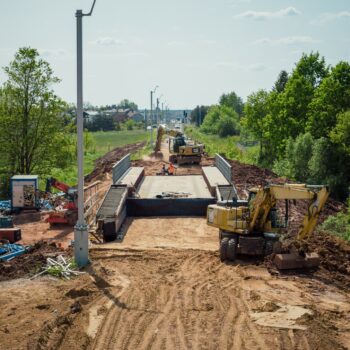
(334, 254)
(105, 163)
(30, 262)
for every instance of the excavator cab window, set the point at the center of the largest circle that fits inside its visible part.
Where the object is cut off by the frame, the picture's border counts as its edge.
(278, 220)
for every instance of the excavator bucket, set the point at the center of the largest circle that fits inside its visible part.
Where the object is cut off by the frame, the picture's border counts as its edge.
(296, 261)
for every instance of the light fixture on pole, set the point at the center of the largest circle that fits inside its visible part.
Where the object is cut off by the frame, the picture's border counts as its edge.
(81, 239)
(151, 115)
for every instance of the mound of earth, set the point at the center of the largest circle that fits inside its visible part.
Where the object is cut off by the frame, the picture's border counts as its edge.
(105, 163)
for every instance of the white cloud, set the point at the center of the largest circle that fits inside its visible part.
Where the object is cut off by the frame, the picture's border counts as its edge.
(108, 41)
(50, 53)
(289, 40)
(331, 16)
(266, 15)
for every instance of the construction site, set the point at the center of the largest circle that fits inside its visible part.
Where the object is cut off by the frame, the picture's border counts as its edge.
(176, 263)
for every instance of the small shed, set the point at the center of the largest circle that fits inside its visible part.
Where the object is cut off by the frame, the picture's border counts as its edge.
(24, 192)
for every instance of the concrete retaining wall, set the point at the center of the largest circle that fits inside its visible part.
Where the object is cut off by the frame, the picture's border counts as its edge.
(168, 206)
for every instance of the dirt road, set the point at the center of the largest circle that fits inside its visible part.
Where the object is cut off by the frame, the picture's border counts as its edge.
(139, 295)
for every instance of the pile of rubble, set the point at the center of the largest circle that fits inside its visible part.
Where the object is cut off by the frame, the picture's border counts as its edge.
(31, 262)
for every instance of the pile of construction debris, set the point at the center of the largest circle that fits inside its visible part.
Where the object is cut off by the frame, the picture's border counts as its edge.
(30, 262)
(59, 267)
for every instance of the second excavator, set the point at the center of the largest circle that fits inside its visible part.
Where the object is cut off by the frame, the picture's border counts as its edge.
(181, 151)
(253, 227)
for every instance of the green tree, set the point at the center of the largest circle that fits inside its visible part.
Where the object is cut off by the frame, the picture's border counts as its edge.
(232, 100)
(216, 119)
(198, 114)
(124, 104)
(33, 137)
(256, 110)
(313, 68)
(227, 126)
(331, 98)
(281, 81)
(340, 135)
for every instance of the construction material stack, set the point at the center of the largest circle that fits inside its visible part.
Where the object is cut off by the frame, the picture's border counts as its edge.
(7, 231)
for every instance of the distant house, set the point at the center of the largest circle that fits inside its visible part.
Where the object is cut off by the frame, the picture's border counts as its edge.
(122, 115)
(137, 117)
(90, 115)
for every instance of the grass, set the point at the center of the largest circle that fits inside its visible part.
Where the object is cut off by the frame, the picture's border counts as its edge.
(229, 147)
(339, 224)
(102, 142)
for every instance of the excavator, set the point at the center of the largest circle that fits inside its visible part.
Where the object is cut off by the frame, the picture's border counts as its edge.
(253, 227)
(181, 152)
(67, 213)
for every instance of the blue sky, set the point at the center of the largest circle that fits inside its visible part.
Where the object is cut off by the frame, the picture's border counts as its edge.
(193, 49)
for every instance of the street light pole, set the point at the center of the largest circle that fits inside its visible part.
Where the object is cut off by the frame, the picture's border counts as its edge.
(81, 239)
(151, 115)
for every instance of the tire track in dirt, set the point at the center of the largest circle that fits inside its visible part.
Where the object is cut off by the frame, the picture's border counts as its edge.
(187, 300)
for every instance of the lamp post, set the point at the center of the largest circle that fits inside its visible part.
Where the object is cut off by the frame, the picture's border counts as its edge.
(81, 239)
(151, 115)
(157, 109)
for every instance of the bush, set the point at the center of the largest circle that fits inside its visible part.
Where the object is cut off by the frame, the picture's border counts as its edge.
(338, 224)
(218, 119)
(130, 124)
(227, 126)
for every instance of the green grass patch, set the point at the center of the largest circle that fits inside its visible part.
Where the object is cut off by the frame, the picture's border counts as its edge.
(230, 147)
(338, 225)
(101, 143)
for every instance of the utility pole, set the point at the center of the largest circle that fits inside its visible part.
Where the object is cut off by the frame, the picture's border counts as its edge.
(157, 112)
(151, 115)
(162, 113)
(81, 238)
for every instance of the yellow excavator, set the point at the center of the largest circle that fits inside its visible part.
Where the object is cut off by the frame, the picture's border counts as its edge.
(253, 227)
(181, 152)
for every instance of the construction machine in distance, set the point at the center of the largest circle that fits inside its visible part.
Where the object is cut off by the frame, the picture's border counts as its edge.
(67, 212)
(253, 227)
(181, 151)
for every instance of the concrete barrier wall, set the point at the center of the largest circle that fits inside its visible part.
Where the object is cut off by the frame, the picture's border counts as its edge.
(168, 206)
(120, 168)
(224, 167)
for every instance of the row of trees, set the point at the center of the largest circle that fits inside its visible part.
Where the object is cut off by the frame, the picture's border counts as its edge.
(302, 123)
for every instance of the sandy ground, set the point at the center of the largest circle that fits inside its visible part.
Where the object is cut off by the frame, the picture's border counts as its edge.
(147, 292)
(164, 287)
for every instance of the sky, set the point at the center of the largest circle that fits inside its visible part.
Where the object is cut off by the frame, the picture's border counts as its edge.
(194, 50)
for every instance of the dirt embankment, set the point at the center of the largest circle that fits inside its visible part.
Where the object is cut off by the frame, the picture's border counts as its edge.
(105, 163)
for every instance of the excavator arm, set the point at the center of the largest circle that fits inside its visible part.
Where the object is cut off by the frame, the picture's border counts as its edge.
(267, 197)
(313, 211)
(52, 182)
